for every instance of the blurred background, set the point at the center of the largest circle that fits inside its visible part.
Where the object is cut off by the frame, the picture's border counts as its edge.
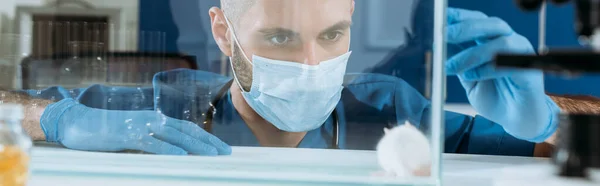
(183, 26)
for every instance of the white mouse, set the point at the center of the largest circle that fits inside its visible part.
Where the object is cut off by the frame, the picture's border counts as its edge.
(404, 151)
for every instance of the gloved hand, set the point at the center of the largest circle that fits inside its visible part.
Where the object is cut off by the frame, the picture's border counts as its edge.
(77, 126)
(515, 99)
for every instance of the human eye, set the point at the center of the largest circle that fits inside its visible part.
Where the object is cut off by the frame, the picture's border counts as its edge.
(332, 36)
(280, 37)
(279, 40)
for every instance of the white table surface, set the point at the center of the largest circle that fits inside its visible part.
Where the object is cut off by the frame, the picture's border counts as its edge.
(273, 166)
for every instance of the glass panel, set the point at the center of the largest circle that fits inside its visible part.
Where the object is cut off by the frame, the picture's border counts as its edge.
(327, 91)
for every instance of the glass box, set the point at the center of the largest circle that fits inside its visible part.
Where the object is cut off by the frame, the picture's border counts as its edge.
(299, 92)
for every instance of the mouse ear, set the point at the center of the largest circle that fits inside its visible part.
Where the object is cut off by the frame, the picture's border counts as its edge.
(385, 130)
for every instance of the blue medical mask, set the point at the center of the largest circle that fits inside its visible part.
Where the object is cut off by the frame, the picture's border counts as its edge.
(292, 96)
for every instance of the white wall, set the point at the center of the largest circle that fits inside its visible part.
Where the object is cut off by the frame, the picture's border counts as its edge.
(128, 8)
(7, 15)
(129, 21)
(7, 41)
(8, 6)
(127, 29)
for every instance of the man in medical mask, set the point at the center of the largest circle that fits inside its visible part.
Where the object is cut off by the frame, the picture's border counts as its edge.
(289, 69)
(290, 89)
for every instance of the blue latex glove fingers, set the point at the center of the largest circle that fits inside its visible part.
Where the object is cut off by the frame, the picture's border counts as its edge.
(474, 64)
(514, 99)
(485, 72)
(477, 29)
(503, 37)
(192, 145)
(77, 126)
(156, 146)
(197, 132)
(457, 15)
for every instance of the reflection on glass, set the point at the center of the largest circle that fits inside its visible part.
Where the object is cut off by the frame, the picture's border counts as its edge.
(299, 78)
(86, 66)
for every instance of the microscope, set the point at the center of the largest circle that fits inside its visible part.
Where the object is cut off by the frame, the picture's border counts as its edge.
(578, 140)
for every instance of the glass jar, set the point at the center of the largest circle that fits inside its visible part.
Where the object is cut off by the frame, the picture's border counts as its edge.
(86, 66)
(15, 146)
(72, 70)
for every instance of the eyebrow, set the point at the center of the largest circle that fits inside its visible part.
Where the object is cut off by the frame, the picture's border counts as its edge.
(342, 25)
(283, 31)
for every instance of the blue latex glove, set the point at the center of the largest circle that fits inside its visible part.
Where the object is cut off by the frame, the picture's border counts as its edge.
(515, 99)
(77, 126)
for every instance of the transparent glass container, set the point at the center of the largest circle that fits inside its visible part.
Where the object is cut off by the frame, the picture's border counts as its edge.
(15, 146)
(302, 90)
(86, 65)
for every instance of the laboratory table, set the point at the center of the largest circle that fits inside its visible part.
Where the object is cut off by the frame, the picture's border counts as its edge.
(252, 166)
